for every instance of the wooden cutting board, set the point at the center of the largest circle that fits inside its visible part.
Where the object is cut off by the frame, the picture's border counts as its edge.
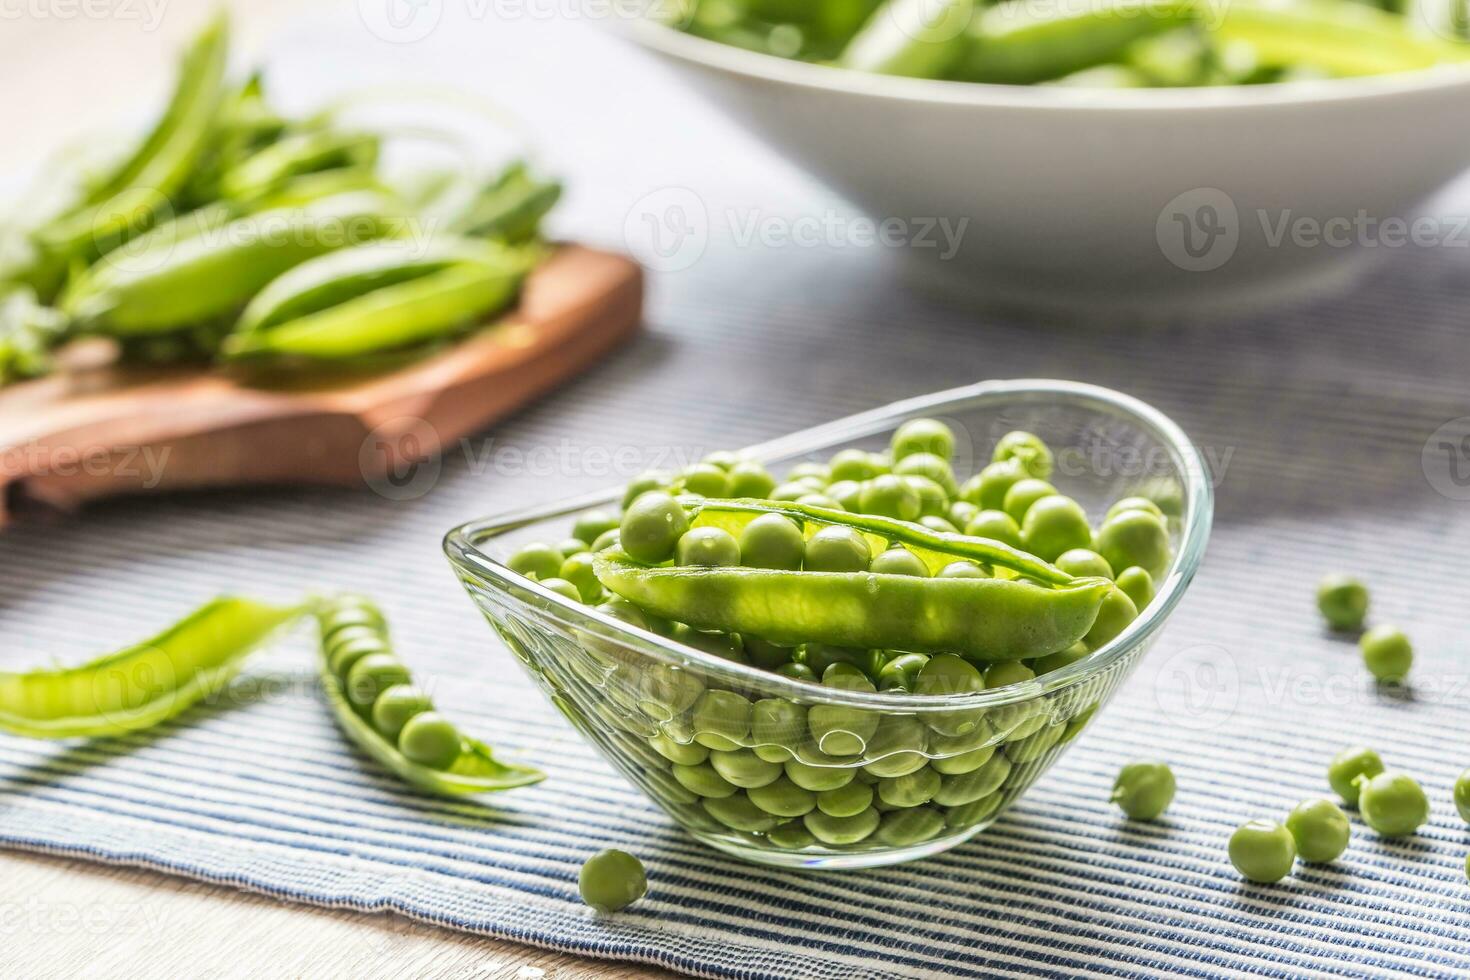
(89, 433)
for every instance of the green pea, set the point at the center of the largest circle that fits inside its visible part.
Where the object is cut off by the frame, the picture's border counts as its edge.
(744, 768)
(819, 500)
(904, 828)
(794, 490)
(967, 787)
(1054, 525)
(933, 501)
(1006, 674)
(644, 482)
(680, 753)
(577, 569)
(777, 727)
(1022, 495)
(707, 480)
(1144, 790)
(538, 559)
(911, 789)
(816, 778)
(1387, 653)
(1345, 768)
(1135, 537)
(702, 780)
(652, 526)
(897, 747)
(1462, 795)
(851, 465)
(605, 540)
(962, 512)
(791, 836)
(709, 547)
(724, 459)
(1026, 449)
(847, 493)
(592, 524)
(1084, 562)
(1392, 804)
(430, 739)
(1262, 850)
(969, 814)
(666, 691)
(372, 675)
(996, 525)
(944, 674)
(928, 465)
(963, 762)
(721, 720)
(562, 588)
(890, 496)
(899, 561)
(839, 831)
(1138, 585)
(1134, 503)
(847, 800)
(796, 671)
(1033, 746)
(840, 730)
(837, 549)
(989, 488)
(902, 672)
(922, 436)
(820, 656)
(938, 524)
(666, 789)
(783, 798)
(347, 649)
(772, 541)
(1113, 617)
(750, 479)
(810, 470)
(571, 546)
(395, 706)
(738, 813)
(1320, 829)
(1343, 601)
(612, 880)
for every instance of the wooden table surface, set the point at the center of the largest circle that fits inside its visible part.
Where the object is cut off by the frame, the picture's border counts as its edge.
(67, 918)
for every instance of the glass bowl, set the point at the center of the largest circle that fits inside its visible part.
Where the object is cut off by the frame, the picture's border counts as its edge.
(664, 713)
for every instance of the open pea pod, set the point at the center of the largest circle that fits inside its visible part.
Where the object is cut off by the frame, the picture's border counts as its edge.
(353, 629)
(145, 684)
(988, 619)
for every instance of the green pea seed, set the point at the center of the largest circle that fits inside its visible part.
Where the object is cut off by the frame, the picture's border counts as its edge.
(899, 561)
(750, 479)
(910, 790)
(989, 488)
(944, 674)
(837, 729)
(605, 540)
(1462, 795)
(839, 831)
(1134, 503)
(818, 779)
(777, 727)
(782, 798)
(811, 470)
(612, 880)
(962, 512)
(539, 560)
(1320, 829)
(707, 480)
(897, 747)
(1056, 661)
(837, 549)
(796, 671)
(1135, 537)
(372, 675)
(967, 787)
(738, 813)
(1387, 653)
(933, 500)
(395, 706)
(1262, 850)
(1345, 768)
(680, 753)
(1028, 450)
(1392, 804)
(940, 525)
(845, 801)
(1138, 585)
(710, 547)
(745, 769)
(643, 483)
(847, 494)
(652, 525)
(890, 496)
(996, 525)
(1083, 562)
(577, 569)
(702, 780)
(721, 720)
(570, 546)
(958, 765)
(1006, 674)
(430, 739)
(666, 691)
(1343, 601)
(1033, 746)
(592, 524)
(347, 650)
(1023, 495)
(930, 466)
(562, 588)
(724, 459)
(969, 814)
(904, 828)
(1113, 617)
(819, 500)
(772, 541)
(1144, 790)
(793, 490)
(922, 436)
(902, 672)
(791, 836)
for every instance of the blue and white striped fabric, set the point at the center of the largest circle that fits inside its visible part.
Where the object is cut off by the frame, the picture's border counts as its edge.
(1316, 416)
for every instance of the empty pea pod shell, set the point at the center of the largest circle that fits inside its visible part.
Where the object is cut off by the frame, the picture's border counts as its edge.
(381, 296)
(145, 684)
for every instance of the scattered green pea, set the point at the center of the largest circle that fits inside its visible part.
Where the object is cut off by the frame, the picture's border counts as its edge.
(1392, 803)
(989, 488)
(1144, 790)
(1135, 537)
(1263, 851)
(1345, 768)
(1320, 829)
(1387, 653)
(1343, 601)
(612, 880)
(1462, 795)
(707, 480)
(1054, 525)
(852, 465)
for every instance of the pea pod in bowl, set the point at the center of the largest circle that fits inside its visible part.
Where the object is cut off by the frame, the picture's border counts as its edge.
(378, 297)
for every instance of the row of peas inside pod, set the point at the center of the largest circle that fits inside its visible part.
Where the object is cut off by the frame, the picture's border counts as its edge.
(872, 572)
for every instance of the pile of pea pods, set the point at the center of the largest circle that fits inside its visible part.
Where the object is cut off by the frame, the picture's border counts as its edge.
(879, 574)
(230, 232)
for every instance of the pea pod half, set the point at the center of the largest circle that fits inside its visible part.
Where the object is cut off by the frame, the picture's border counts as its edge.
(988, 619)
(143, 685)
(356, 653)
(379, 297)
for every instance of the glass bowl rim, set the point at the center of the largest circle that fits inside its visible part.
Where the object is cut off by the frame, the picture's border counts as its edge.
(461, 548)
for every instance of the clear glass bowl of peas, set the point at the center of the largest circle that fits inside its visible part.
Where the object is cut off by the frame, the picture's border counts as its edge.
(812, 755)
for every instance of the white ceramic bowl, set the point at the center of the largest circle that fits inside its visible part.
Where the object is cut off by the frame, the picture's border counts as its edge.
(1148, 197)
